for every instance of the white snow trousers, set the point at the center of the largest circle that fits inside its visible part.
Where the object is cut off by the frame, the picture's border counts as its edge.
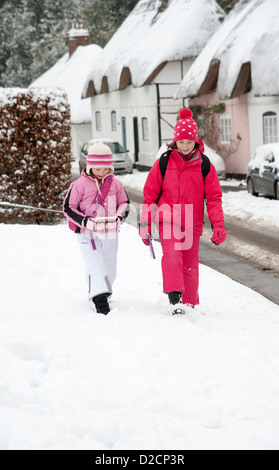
(100, 263)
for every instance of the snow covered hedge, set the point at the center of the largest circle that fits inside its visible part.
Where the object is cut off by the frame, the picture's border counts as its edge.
(35, 153)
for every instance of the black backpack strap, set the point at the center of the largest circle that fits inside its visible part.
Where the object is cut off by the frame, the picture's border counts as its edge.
(164, 160)
(163, 163)
(205, 166)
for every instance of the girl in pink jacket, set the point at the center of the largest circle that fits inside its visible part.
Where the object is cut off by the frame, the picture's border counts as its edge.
(95, 205)
(174, 194)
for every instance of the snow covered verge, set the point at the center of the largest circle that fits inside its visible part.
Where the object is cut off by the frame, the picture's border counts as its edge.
(138, 378)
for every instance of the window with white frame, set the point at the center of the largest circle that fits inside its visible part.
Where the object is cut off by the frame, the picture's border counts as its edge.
(113, 121)
(225, 129)
(144, 122)
(98, 121)
(270, 133)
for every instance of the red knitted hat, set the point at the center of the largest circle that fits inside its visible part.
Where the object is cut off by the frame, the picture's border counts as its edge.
(186, 128)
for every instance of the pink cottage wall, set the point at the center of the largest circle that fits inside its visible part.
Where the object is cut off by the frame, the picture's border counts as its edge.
(236, 155)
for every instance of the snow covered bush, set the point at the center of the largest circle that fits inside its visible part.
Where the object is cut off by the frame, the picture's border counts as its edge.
(35, 153)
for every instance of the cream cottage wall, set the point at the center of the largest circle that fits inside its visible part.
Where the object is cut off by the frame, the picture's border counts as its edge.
(166, 82)
(147, 113)
(131, 106)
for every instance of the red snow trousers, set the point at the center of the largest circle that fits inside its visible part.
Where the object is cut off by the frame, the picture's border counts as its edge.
(180, 268)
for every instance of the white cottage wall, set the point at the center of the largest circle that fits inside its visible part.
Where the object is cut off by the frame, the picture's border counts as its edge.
(136, 113)
(173, 72)
(167, 81)
(137, 107)
(258, 105)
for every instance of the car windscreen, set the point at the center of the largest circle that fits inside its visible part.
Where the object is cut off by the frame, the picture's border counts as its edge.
(115, 147)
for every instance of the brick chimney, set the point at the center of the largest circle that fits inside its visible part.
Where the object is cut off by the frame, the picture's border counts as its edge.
(77, 36)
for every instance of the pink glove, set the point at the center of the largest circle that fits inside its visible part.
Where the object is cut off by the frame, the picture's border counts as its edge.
(219, 235)
(144, 230)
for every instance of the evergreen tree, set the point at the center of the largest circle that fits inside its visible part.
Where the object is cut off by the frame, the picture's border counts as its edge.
(16, 35)
(227, 5)
(33, 33)
(98, 19)
(102, 19)
(121, 9)
(52, 19)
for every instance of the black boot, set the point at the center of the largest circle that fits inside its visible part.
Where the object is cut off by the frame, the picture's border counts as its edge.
(101, 303)
(175, 299)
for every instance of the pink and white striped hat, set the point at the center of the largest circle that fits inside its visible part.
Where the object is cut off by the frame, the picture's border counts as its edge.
(99, 156)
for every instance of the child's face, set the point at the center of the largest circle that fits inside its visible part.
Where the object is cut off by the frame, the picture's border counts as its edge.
(185, 146)
(100, 173)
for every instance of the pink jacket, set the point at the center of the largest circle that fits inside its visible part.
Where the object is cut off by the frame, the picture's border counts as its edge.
(86, 199)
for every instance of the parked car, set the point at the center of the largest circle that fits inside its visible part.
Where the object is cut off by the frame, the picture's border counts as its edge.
(217, 161)
(263, 171)
(213, 156)
(121, 161)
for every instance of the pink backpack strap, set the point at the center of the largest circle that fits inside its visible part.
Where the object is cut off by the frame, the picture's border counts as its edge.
(101, 196)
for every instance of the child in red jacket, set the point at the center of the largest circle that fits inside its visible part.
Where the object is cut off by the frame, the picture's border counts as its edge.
(176, 201)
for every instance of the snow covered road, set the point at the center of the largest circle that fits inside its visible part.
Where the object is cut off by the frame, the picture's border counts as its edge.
(138, 378)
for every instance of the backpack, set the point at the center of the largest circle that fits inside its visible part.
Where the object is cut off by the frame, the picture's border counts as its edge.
(164, 160)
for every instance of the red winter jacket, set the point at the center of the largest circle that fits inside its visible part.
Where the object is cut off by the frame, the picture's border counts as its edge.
(183, 184)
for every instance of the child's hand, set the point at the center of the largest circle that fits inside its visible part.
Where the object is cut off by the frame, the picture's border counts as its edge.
(219, 235)
(143, 233)
(90, 224)
(120, 220)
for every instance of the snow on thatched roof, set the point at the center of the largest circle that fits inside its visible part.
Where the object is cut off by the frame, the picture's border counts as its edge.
(151, 36)
(69, 74)
(244, 52)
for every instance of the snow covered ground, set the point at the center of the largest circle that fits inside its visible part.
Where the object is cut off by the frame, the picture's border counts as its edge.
(138, 378)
